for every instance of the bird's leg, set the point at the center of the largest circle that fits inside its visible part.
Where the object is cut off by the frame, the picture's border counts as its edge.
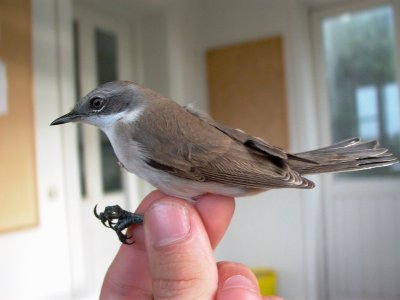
(118, 219)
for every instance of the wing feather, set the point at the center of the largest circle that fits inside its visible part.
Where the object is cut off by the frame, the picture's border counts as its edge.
(241, 136)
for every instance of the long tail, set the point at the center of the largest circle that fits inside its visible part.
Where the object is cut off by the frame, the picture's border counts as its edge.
(348, 155)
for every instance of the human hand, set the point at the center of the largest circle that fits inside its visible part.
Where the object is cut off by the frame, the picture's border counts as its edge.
(173, 254)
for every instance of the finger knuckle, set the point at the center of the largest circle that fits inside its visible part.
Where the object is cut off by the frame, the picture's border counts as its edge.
(168, 288)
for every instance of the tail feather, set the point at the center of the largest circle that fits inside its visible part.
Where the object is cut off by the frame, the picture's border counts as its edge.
(347, 155)
(341, 144)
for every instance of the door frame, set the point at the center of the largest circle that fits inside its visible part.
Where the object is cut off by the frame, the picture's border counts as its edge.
(66, 12)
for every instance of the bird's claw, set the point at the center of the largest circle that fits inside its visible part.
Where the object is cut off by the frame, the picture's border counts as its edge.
(118, 219)
(124, 238)
(102, 217)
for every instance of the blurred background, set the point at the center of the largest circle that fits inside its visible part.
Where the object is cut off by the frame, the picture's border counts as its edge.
(299, 73)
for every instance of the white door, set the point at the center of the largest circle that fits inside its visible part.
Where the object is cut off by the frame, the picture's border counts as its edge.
(102, 54)
(357, 73)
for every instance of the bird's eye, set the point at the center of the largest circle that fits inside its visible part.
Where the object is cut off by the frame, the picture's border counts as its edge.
(96, 103)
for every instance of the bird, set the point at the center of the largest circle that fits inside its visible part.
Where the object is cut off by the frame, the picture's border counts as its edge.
(185, 153)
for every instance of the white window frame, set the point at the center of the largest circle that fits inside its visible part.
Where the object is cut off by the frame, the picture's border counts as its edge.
(321, 90)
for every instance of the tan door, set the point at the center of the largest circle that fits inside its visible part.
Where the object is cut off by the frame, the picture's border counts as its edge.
(247, 88)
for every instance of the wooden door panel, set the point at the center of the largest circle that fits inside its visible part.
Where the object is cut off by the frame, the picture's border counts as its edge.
(247, 88)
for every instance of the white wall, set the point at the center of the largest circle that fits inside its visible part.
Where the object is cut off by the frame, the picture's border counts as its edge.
(35, 263)
(153, 59)
(185, 53)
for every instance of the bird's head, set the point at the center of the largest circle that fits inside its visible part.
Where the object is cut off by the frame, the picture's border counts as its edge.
(106, 104)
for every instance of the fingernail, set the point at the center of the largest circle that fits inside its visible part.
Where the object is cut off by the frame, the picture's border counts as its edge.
(241, 282)
(168, 223)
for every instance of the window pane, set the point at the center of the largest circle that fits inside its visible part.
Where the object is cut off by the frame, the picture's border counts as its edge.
(106, 60)
(392, 110)
(359, 50)
(367, 112)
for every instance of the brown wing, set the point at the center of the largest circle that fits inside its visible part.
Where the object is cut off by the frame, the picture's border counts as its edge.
(219, 154)
(254, 169)
(241, 136)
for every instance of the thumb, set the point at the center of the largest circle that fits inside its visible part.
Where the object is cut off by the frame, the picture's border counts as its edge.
(180, 255)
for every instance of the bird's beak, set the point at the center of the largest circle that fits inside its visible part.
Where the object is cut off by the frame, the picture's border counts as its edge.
(69, 117)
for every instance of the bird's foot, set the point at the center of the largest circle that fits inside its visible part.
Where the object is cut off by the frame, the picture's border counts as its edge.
(118, 219)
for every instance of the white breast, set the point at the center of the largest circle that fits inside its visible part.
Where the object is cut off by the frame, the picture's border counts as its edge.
(131, 155)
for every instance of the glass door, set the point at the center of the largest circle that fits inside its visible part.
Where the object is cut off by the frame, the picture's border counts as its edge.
(358, 87)
(102, 54)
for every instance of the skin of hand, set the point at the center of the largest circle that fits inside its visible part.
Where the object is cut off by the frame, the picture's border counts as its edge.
(172, 257)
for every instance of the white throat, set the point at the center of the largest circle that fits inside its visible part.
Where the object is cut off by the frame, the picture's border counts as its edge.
(105, 123)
